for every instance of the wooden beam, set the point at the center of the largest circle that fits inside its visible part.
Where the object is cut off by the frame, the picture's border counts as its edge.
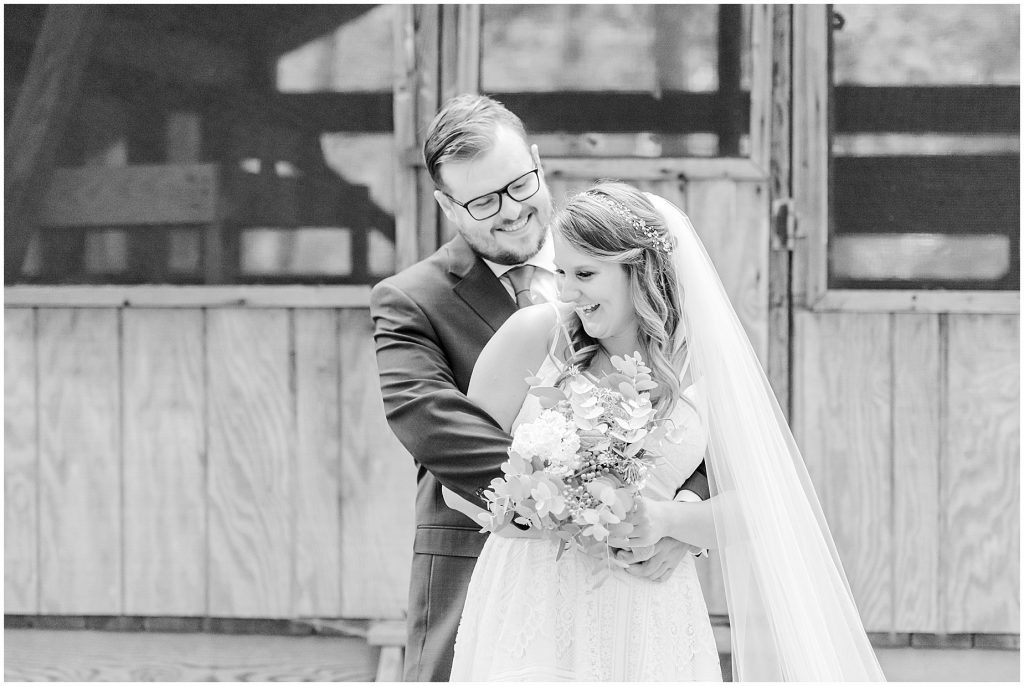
(672, 111)
(428, 22)
(927, 109)
(300, 24)
(40, 114)
(291, 295)
(405, 96)
(128, 196)
(176, 55)
(780, 324)
(809, 170)
(353, 111)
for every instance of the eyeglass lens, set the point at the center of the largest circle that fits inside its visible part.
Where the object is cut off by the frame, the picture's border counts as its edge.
(489, 205)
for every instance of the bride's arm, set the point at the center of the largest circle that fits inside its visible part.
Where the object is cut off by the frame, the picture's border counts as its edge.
(689, 522)
(516, 350)
(498, 385)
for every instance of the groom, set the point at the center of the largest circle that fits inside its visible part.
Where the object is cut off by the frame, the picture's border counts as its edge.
(431, 322)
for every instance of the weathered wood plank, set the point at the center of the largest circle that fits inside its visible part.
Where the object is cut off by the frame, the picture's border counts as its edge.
(80, 565)
(810, 149)
(43, 655)
(689, 168)
(405, 99)
(250, 463)
(778, 141)
(427, 37)
(980, 572)
(731, 219)
(44, 102)
(377, 487)
(843, 386)
(165, 462)
(985, 302)
(764, 61)
(142, 194)
(917, 431)
(317, 464)
(188, 296)
(670, 111)
(21, 449)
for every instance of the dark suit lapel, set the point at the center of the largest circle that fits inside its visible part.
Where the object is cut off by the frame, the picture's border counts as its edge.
(478, 286)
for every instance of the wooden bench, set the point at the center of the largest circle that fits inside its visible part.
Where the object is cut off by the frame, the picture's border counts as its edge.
(390, 636)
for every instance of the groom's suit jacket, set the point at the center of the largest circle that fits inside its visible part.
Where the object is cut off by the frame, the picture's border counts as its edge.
(430, 323)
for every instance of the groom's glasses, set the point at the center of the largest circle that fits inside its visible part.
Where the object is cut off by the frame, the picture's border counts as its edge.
(486, 206)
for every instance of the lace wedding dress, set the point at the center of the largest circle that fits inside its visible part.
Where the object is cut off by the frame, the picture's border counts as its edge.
(530, 618)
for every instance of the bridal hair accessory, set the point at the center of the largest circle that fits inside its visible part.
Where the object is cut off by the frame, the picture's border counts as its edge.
(660, 241)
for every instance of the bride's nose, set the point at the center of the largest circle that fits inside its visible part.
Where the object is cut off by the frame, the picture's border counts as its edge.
(567, 292)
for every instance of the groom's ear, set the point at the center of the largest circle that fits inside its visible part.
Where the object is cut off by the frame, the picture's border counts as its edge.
(535, 154)
(445, 204)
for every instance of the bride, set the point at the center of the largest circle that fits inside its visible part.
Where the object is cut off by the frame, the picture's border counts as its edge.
(633, 276)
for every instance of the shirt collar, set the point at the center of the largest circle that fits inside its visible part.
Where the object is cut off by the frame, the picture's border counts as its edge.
(545, 259)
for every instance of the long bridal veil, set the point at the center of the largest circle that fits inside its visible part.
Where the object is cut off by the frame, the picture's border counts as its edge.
(791, 612)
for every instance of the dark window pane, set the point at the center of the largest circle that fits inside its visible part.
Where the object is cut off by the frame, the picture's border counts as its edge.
(926, 147)
(623, 80)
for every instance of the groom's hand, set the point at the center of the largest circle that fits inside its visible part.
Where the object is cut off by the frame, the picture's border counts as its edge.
(657, 562)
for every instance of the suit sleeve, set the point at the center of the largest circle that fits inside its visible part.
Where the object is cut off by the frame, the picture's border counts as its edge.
(698, 482)
(460, 444)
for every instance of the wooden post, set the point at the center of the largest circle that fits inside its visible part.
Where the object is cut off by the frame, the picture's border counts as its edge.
(428, 72)
(779, 254)
(40, 114)
(405, 101)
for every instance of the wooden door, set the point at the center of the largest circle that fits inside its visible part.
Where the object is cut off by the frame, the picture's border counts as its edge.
(906, 399)
(728, 195)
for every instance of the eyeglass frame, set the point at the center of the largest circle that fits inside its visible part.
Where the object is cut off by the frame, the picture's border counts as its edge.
(500, 192)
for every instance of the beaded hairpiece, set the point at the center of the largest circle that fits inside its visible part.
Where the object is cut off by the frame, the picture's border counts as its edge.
(659, 241)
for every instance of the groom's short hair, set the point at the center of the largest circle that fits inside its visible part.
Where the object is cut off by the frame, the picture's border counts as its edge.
(463, 129)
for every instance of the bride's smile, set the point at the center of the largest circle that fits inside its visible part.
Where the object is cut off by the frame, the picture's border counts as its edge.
(599, 292)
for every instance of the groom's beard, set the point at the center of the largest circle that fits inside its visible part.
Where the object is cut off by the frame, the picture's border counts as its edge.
(489, 247)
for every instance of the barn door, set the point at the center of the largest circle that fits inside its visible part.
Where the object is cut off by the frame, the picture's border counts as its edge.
(675, 99)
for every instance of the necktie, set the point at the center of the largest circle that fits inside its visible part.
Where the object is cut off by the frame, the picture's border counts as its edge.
(521, 277)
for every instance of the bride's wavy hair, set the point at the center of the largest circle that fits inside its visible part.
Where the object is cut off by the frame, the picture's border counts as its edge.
(592, 224)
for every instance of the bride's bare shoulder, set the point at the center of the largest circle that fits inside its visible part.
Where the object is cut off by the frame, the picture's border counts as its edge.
(535, 325)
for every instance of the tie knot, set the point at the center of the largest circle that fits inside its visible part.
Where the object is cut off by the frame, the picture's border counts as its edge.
(521, 278)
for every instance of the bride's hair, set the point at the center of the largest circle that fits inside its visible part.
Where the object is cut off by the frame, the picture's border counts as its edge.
(615, 222)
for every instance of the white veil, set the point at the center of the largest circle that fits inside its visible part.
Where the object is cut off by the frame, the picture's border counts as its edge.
(792, 615)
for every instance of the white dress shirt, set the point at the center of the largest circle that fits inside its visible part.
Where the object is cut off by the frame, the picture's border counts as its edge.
(543, 287)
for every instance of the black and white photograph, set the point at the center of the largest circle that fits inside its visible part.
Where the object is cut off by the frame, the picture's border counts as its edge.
(512, 342)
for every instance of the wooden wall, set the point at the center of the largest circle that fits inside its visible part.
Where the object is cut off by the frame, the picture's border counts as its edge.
(221, 461)
(910, 427)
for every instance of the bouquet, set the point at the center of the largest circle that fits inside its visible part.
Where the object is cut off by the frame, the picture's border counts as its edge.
(576, 471)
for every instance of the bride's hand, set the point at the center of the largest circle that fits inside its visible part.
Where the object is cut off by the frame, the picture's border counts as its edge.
(651, 523)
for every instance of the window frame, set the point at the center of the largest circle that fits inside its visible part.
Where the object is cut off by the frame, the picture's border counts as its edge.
(811, 197)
